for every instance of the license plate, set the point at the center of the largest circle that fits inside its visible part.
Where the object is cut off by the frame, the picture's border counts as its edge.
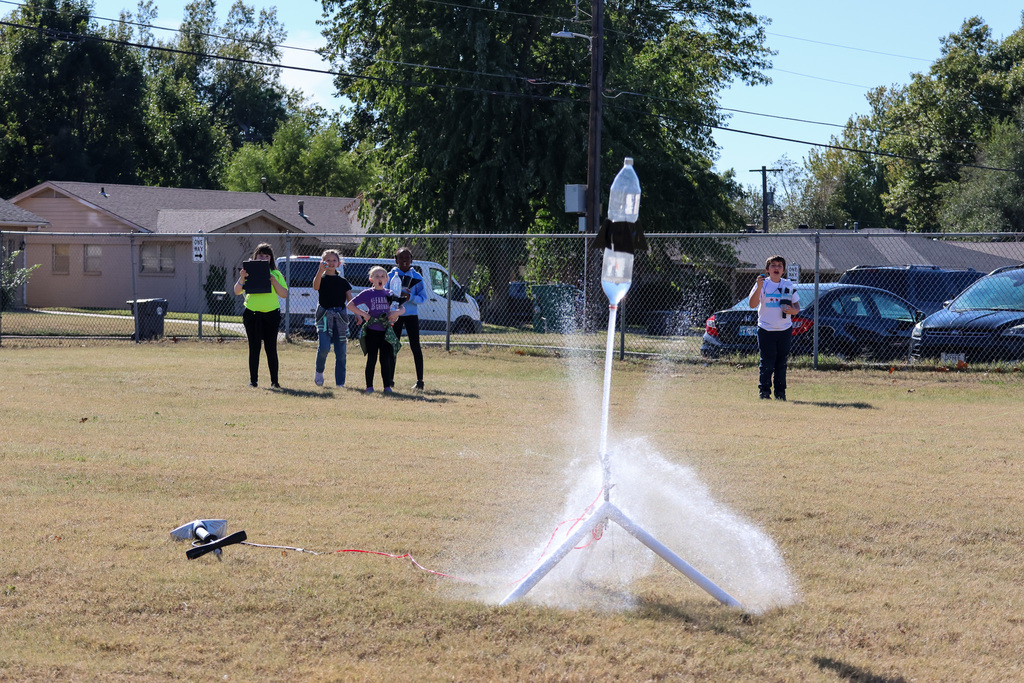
(954, 358)
(748, 331)
(309, 321)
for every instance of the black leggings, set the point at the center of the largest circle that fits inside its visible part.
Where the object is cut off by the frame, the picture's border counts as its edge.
(261, 329)
(412, 328)
(377, 343)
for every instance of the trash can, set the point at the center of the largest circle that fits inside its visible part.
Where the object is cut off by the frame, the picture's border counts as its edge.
(554, 308)
(150, 316)
(662, 323)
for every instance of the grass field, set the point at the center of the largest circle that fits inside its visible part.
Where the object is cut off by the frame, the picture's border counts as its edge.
(872, 524)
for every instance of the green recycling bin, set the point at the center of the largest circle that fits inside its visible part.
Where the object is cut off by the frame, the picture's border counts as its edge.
(554, 308)
(150, 316)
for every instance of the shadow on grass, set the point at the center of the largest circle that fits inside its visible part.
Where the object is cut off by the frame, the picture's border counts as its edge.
(427, 396)
(860, 405)
(303, 392)
(853, 673)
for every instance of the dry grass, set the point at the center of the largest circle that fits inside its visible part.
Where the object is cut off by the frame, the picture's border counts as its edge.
(895, 500)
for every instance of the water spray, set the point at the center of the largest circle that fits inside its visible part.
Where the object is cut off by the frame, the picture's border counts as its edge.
(616, 278)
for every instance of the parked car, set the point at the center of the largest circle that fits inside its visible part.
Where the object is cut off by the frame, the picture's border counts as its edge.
(984, 323)
(855, 321)
(432, 314)
(926, 287)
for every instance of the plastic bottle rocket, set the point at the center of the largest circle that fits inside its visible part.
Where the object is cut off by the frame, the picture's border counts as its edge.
(624, 197)
(396, 290)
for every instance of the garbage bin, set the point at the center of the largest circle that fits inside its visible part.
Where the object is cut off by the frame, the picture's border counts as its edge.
(662, 323)
(554, 308)
(150, 316)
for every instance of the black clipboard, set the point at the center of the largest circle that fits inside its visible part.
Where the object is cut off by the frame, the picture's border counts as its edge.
(257, 277)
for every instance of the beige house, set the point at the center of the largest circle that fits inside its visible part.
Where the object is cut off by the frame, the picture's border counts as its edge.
(95, 236)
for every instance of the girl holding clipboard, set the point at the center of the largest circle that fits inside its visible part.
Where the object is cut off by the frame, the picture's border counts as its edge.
(262, 315)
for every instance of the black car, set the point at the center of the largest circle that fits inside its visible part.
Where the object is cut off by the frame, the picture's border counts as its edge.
(855, 322)
(926, 287)
(984, 323)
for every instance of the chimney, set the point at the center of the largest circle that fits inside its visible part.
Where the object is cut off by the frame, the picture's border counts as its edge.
(103, 191)
(263, 184)
(302, 210)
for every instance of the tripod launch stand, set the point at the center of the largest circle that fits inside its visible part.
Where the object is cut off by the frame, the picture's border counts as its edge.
(616, 277)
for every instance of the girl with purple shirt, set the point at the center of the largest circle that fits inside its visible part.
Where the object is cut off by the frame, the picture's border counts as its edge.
(377, 338)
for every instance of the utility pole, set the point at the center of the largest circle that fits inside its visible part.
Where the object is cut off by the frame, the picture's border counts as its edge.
(764, 193)
(596, 114)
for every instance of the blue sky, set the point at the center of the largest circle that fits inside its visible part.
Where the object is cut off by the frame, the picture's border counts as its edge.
(829, 55)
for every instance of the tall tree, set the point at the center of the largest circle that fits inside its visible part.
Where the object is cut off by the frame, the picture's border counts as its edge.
(71, 106)
(217, 61)
(939, 117)
(306, 156)
(480, 117)
(985, 200)
(844, 186)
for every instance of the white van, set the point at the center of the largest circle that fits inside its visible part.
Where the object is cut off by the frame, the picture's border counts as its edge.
(433, 313)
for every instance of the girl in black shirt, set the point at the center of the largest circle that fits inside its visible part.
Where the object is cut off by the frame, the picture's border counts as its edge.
(331, 317)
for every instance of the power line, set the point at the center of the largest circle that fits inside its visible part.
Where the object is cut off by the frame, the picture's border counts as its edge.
(848, 47)
(70, 36)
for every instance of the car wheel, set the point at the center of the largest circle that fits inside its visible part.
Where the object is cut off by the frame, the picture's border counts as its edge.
(463, 326)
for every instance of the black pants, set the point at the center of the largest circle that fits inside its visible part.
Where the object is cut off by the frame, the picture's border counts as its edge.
(261, 329)
(411, 323)
(774, 347)
(377, 345)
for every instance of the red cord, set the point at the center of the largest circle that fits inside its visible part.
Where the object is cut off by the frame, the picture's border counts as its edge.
(595, 536)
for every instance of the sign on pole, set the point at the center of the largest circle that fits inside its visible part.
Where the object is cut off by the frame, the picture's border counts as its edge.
(198, 249)
(793, 272)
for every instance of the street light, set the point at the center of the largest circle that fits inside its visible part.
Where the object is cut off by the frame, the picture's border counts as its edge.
(569, 34)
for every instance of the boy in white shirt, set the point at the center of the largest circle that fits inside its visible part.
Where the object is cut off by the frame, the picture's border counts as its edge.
(776, 301)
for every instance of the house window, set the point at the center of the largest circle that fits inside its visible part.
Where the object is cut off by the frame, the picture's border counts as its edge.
(61, 259)
(157, 258)
(93, 258)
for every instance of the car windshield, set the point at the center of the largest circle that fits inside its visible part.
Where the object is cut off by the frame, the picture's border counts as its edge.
(998, 292)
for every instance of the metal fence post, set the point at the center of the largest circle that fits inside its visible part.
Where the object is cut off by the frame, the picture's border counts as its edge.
(448, 288)
(199, 291)
(3, 258)
(817, 279)
(287, 279)
(135, 286)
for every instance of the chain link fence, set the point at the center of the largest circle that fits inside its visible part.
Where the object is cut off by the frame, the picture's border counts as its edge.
(520, 290)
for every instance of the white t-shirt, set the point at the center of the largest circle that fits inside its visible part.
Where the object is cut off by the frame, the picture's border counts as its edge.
(769, 311)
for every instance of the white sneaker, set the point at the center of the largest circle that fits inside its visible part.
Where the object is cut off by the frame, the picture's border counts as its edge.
(318, 379)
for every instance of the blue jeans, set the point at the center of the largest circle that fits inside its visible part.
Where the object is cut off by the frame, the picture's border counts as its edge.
(774, 348)
(332, 329)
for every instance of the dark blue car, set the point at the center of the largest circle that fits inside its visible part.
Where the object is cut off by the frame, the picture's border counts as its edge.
(855, 322)
(984, 323)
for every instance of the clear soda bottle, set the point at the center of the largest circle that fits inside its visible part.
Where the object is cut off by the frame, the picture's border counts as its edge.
(396, 289)
(624, 198)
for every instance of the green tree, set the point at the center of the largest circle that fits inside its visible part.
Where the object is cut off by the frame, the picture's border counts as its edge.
(843, 186)
(246, 98)
(938, 117)
(307, 156)
(479, 120)
(71, 107)
(189, 146)
(985, 200)
(484, 136)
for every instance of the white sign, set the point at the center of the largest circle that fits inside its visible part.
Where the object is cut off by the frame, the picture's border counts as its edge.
(198, 249)
(793, 272)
